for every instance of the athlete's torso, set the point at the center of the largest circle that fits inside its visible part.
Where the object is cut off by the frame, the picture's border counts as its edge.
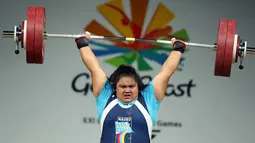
(127, 123)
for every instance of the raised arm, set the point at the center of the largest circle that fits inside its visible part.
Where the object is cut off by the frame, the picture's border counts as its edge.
(91, 62)
(169, 67)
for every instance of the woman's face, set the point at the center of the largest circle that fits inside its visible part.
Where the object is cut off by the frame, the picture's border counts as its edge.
(127, 89)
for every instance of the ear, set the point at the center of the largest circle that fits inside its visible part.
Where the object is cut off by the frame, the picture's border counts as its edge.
(141, 85)
(113, 86)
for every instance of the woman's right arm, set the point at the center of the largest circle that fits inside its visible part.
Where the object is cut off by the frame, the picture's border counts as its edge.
(91, 62)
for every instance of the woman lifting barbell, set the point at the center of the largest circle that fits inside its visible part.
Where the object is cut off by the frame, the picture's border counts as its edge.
(126, 107)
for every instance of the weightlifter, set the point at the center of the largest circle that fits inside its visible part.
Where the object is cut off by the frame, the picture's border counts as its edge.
(127, 108)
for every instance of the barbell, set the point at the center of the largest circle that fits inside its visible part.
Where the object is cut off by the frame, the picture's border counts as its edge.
(31, 35)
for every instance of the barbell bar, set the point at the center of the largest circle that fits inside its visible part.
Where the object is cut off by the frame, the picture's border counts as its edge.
(31, 35)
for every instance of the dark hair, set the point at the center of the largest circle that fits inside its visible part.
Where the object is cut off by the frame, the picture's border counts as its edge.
(126, 70)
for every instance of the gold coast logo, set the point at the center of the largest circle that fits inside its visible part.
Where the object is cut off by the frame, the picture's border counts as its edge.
(124, 52)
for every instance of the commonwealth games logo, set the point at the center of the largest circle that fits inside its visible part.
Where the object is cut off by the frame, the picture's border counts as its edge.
(133, 26)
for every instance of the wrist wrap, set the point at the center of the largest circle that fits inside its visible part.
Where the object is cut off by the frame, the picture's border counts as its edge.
(81, 42)
(179, 46)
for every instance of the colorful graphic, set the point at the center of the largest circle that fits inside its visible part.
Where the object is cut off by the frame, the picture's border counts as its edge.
(123, 129)
(123, 52)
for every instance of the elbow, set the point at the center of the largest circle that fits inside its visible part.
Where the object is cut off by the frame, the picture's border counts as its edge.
(160, 98)
(168, 71)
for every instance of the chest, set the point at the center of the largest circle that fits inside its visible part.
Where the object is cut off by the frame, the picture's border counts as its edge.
(131, 116)
(126, 124)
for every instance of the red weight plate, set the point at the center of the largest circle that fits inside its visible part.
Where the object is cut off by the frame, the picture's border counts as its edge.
(39, 36)
(22, 34)
(237, 48)
(220, 51)
(229, 48)
(30, 40)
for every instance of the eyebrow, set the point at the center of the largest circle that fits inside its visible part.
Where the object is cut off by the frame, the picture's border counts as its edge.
(120, 84)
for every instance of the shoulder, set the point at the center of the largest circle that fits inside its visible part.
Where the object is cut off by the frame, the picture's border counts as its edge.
(148, 87)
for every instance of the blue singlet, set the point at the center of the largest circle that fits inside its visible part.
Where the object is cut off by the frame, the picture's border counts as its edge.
(127, 123)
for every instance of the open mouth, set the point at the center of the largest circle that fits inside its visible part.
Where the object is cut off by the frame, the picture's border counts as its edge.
(127, 95)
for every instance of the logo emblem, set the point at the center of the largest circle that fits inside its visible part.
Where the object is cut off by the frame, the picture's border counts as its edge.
(123, 129)
(123, 52)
